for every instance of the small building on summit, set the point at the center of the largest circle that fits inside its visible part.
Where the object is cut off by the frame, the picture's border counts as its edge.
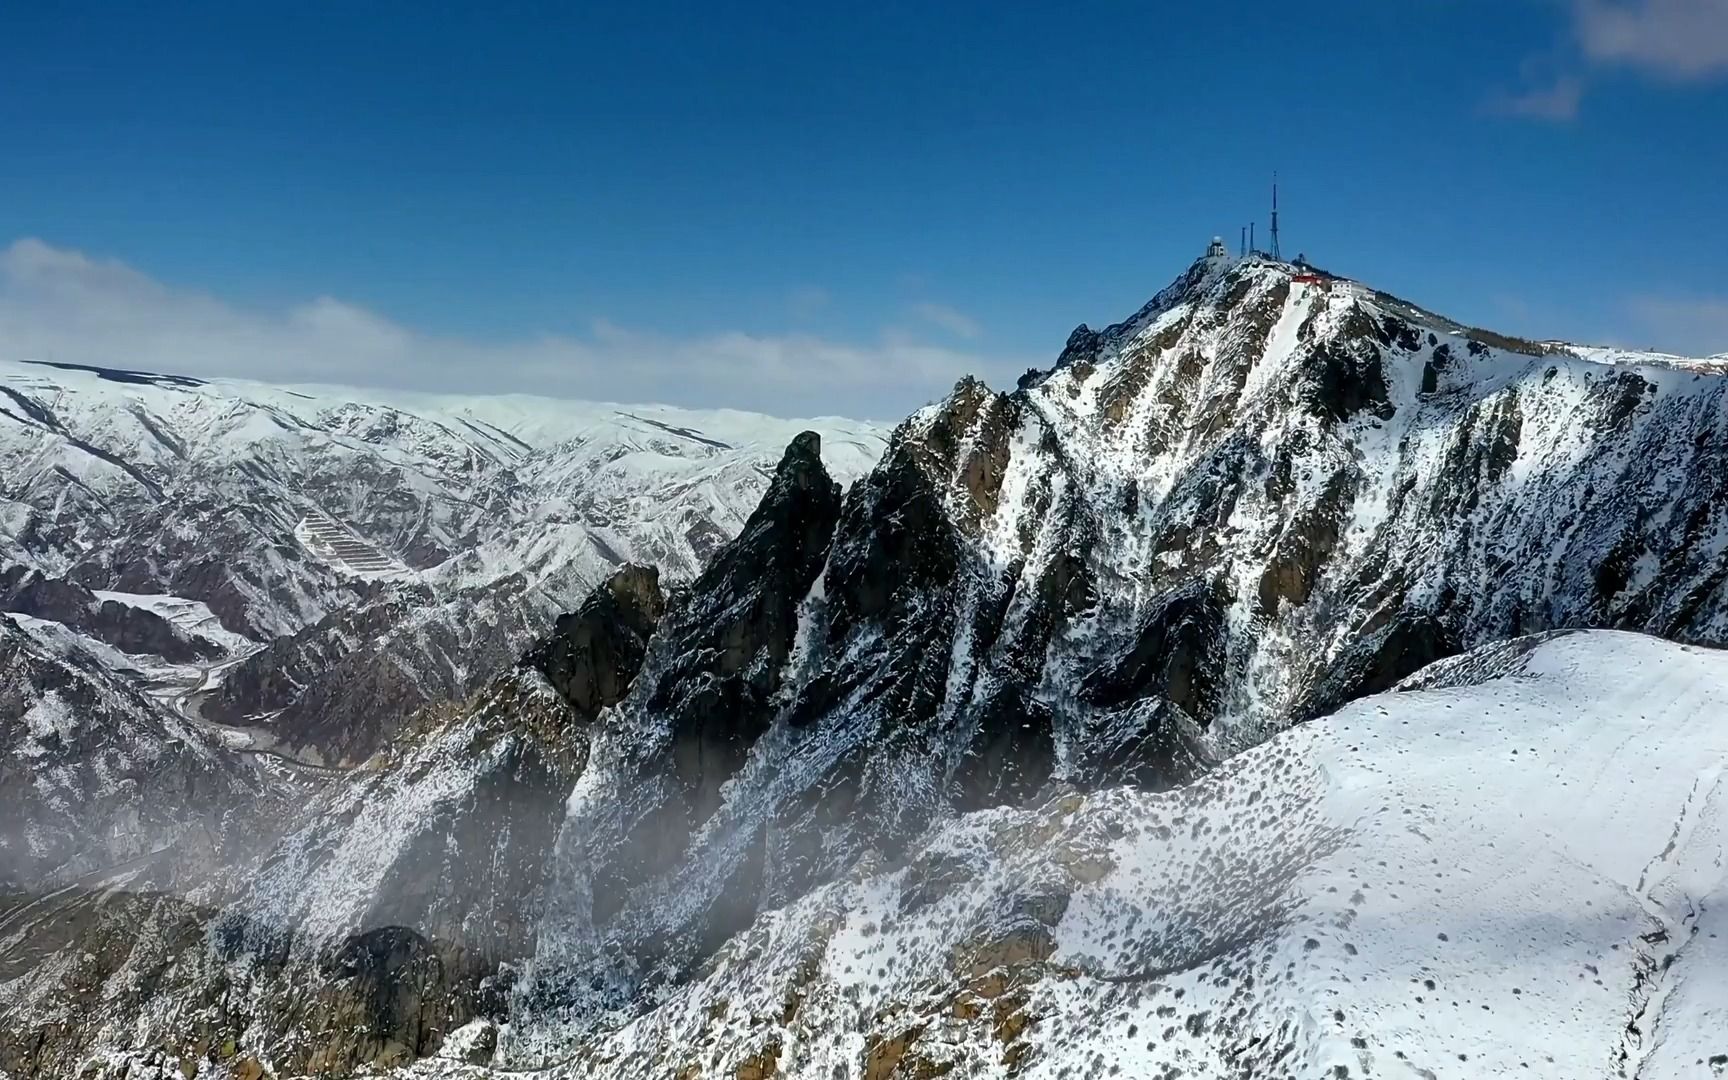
(1216, 249)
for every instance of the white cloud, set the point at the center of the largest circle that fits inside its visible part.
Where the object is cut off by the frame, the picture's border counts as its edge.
(1670, 40)
(1557, 101)
(955, 322)
(1673, 39)
(65, 306)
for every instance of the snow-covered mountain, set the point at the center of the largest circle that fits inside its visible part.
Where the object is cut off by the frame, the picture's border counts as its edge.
(1209, 706)
(377, 552)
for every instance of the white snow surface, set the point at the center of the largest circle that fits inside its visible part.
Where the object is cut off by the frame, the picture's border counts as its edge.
(1607, 354)
(1516, 872)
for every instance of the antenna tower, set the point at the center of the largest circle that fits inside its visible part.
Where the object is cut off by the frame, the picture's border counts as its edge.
(1275, 253)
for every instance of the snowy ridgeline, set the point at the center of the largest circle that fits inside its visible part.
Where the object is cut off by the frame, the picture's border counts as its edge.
(191, 617)
(271, 495)
(1522, 874)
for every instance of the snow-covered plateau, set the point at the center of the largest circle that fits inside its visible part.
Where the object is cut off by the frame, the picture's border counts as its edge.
(1288, 682)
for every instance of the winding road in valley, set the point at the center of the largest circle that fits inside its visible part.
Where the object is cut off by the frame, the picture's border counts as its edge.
(187, 700)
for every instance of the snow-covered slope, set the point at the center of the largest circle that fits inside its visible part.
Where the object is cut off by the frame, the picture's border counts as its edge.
(1517, 871)
(387, 915)
(404, 546)
(1512, 866)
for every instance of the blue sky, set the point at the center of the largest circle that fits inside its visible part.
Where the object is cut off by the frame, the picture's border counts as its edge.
(804, 209)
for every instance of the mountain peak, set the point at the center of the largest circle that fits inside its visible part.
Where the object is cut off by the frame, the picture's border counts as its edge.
(803, 453)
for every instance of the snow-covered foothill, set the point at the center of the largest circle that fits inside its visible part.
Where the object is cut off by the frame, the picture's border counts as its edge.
(1515, 871)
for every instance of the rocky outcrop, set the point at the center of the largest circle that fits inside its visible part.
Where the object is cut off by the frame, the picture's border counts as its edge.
(594, 653)
(736, 629)
(716, 666)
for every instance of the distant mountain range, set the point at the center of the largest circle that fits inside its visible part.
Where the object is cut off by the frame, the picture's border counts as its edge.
(364, 554)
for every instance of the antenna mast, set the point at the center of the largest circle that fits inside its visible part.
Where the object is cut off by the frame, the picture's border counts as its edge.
(1275, 253)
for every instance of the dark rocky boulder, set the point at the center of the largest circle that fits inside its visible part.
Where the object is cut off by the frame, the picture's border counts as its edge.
(593, 653)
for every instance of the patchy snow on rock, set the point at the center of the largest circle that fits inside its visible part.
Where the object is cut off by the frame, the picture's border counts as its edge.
(95, 773)
(192, 616)
(1510, 872)
(47, 722)
(1064, 744)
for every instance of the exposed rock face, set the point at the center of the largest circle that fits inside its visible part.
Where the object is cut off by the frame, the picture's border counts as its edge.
(735, 632)
(720, 658)
(594, 652)
(1256, 500)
